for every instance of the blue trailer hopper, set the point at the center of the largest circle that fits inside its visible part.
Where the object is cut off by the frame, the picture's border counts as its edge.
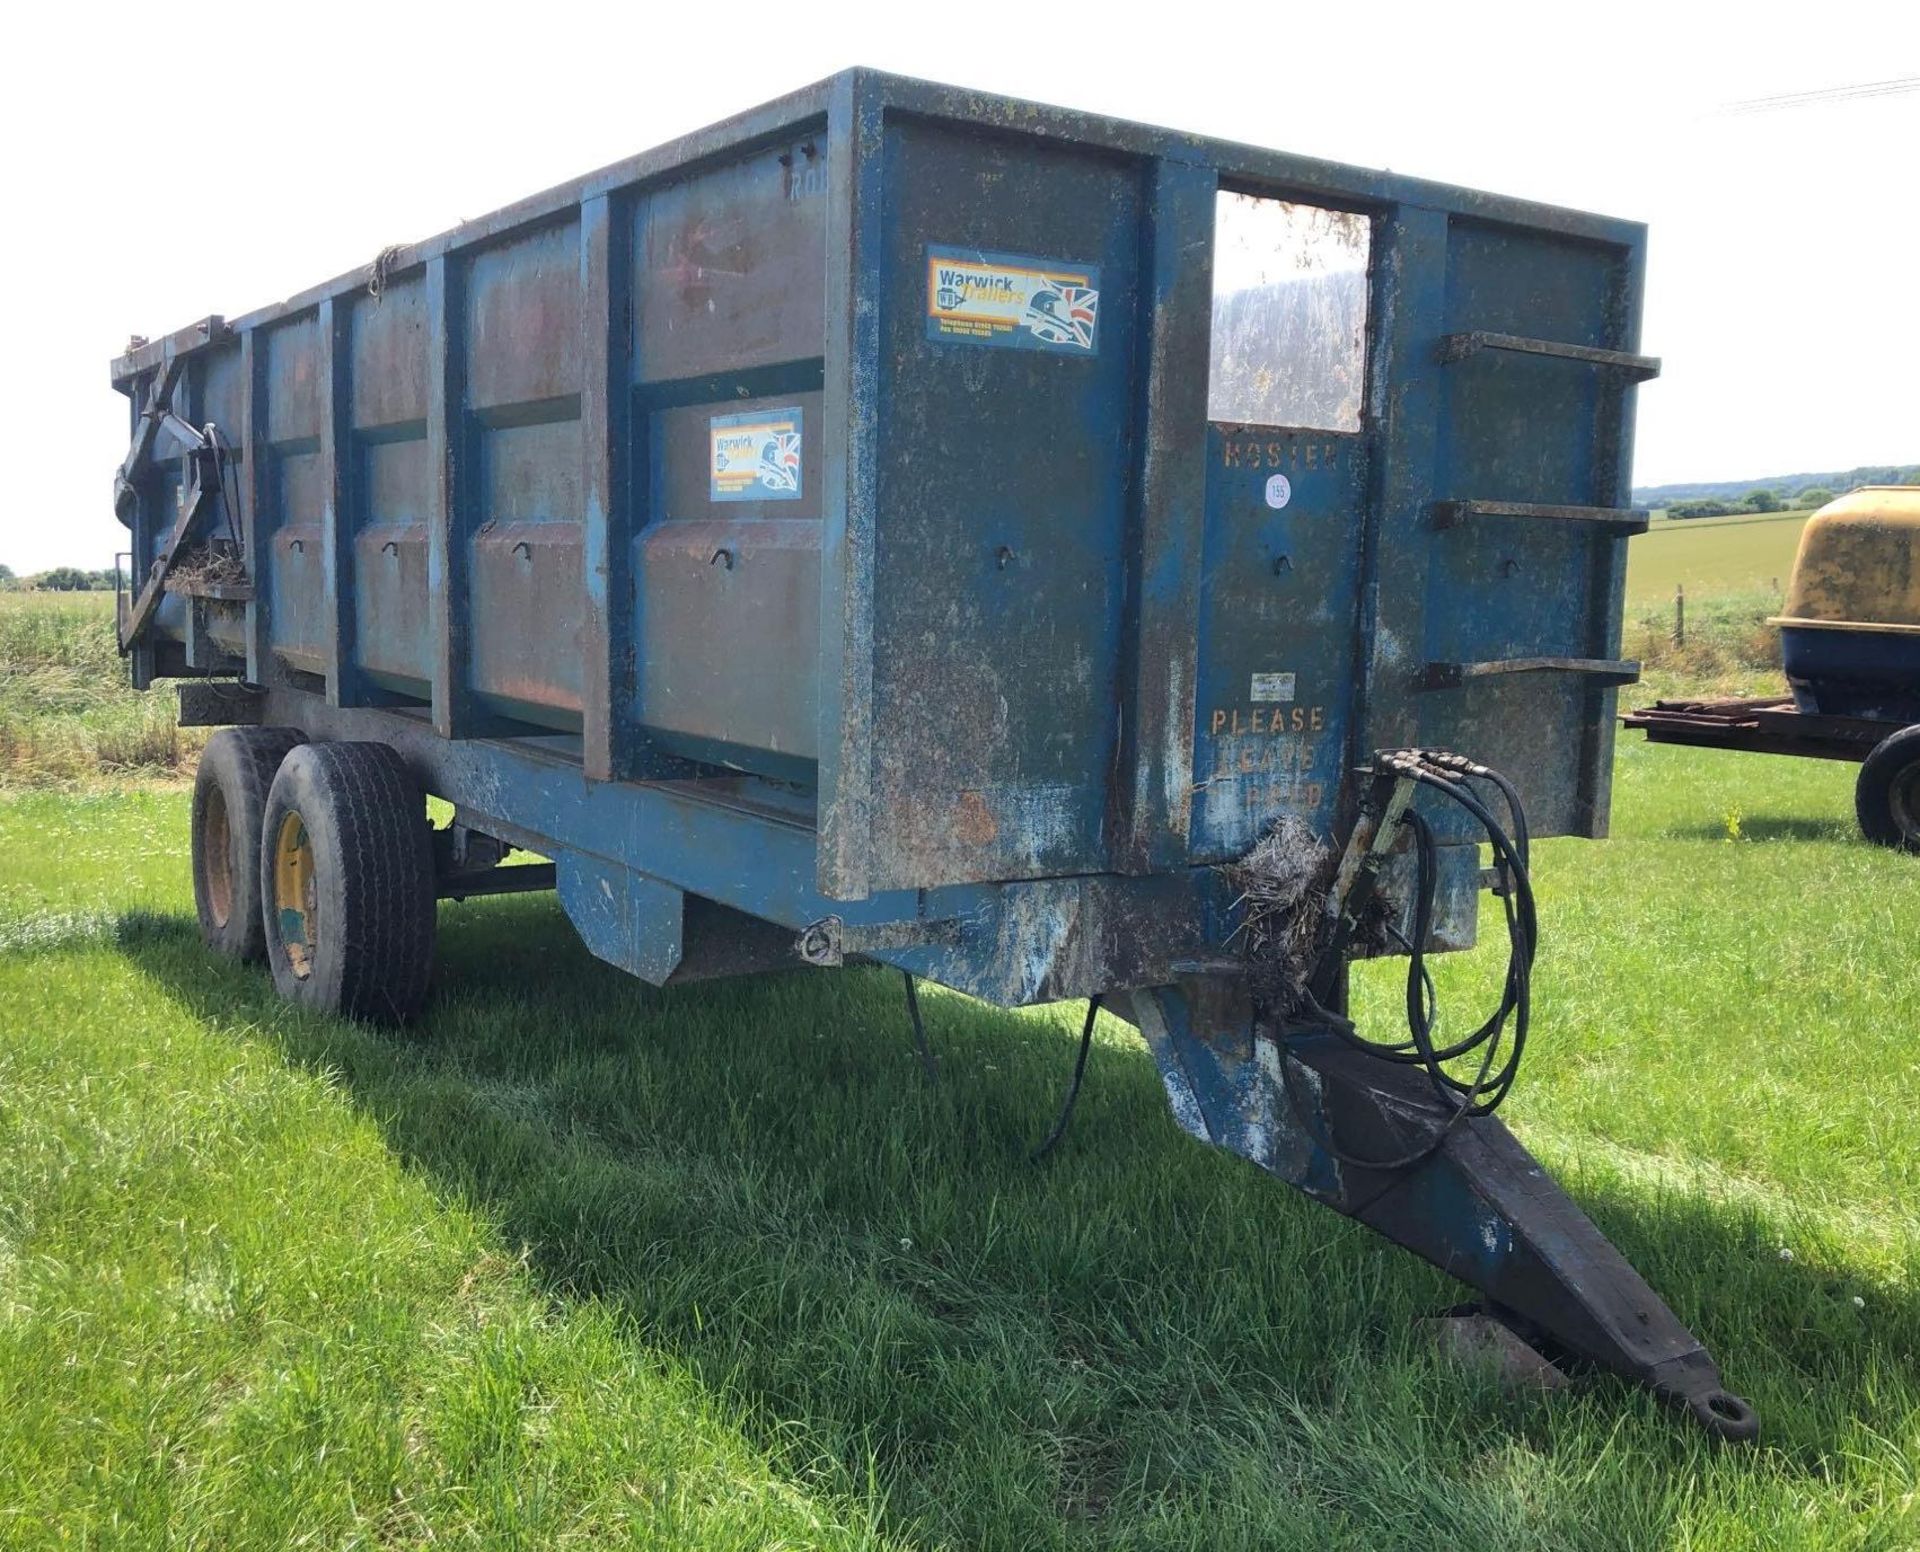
(906, 525)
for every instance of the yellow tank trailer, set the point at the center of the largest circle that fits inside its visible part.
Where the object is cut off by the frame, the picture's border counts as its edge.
(1850, 643)
(1850, 636)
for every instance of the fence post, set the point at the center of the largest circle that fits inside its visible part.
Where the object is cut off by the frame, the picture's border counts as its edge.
(1680, 614)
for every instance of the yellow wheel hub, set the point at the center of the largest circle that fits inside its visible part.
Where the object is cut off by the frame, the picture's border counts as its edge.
(293, 895)
(216, 844)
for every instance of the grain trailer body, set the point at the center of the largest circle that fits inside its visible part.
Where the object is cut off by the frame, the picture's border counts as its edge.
(915, 526)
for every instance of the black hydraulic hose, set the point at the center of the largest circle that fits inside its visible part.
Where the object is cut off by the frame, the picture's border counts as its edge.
(1065, 1118)
(1488, 1088)
(921, 1044)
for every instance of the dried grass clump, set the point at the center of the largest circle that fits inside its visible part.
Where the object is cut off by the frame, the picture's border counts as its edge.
(1281, 886)
(207, 565)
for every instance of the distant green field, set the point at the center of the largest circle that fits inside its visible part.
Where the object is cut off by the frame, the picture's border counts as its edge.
(1712, 555)
(67, 711)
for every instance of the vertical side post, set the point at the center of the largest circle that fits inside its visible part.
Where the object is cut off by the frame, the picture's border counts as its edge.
(1406, 395)
(447, 441)
(855, 243)
(1613, 487)
(1161, 642)
(606, 273)
(140, 664)
(257, 508)
(338, 518)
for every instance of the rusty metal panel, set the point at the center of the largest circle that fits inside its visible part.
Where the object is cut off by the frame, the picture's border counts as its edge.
(729, 583)
(390, 558)
(523, 320)
(1002, 510)
(1528, 426)
(220, 389)
(526, 604)
(295, 392)
(390, 593)
(728, 650)
(1279, 633)
(294, 496)
(389, 374)
(730, 265)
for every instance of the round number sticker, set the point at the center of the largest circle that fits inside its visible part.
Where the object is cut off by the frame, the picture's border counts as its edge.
(1279, 491)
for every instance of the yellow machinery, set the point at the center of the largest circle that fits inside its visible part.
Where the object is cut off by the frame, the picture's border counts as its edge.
(1850, 643)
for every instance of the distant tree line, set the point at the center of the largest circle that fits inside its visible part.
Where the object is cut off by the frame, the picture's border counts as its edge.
(1766, 500)
(1790, 491)
(61, 579)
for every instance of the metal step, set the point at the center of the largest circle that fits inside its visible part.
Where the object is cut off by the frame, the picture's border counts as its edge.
(1457, 347)
(1603, 671)
(1622, 521)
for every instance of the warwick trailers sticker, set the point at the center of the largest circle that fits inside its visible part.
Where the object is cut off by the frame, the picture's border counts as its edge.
(754, 456)
(1013, 301)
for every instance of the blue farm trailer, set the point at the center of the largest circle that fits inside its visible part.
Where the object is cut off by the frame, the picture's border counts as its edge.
(1040, 553)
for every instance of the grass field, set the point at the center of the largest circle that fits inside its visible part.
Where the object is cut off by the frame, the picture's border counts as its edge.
(583, 1264)
(1712, 556)
(1735, 572)
(66, 710)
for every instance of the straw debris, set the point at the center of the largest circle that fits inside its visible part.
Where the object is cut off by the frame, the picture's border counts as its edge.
(1282, 887)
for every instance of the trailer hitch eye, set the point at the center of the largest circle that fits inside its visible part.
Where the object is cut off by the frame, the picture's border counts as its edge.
(1724, 1414)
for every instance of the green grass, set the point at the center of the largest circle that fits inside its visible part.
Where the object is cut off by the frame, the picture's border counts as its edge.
(67, 712)
(1712, 555)
(1729, 649)
(585, 1264)
(1735, 572)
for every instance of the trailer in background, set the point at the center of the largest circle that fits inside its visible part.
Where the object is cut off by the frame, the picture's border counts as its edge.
(1887, 794)
(1850, 645)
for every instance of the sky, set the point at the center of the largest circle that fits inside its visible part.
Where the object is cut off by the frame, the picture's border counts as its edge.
(163, 163)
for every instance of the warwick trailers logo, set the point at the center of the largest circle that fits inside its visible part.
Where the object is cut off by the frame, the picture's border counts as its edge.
(1012, 301)
(754, 456)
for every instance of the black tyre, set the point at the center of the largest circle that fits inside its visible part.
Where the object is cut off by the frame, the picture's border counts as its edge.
(1887, 796)
(346, 871)
(229, 807)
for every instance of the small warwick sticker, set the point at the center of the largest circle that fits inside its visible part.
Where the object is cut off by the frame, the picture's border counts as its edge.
(1013, 301)
(754, 456)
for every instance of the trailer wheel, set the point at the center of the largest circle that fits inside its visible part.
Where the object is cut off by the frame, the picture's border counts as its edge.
(346, 870)
(229, 806)
(1887, 796)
